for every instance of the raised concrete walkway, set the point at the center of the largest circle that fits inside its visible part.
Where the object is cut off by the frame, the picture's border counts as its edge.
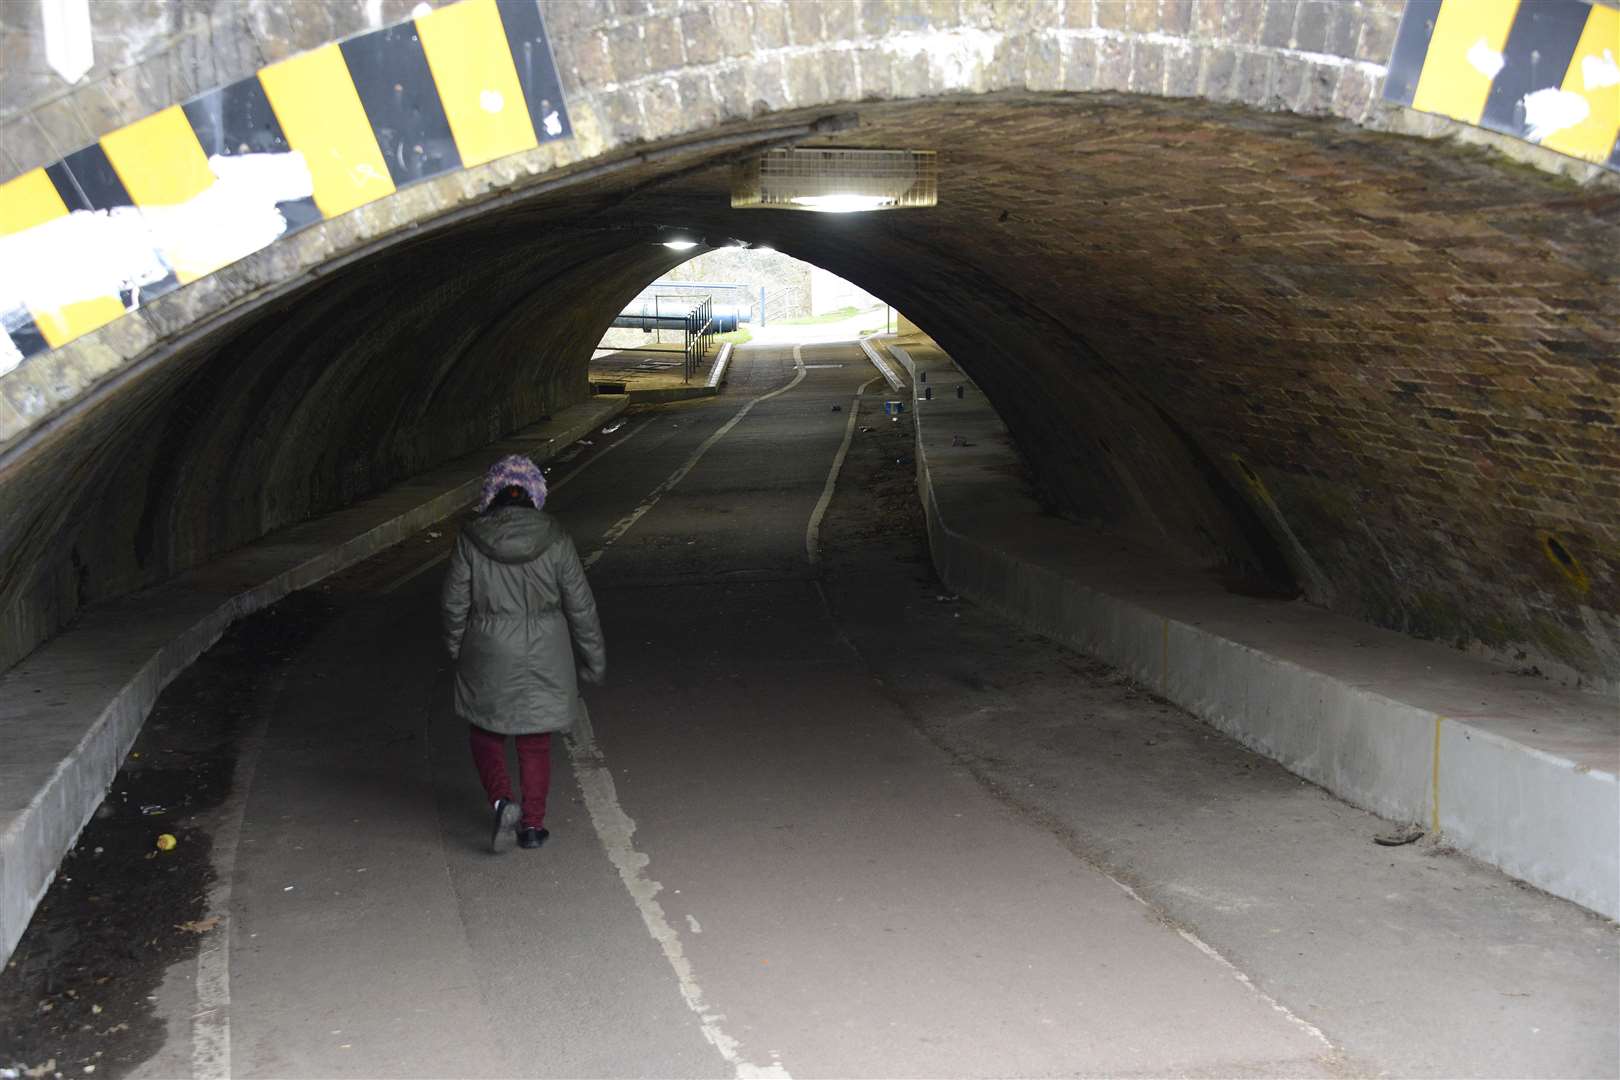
(1516, 772)
(70, 710)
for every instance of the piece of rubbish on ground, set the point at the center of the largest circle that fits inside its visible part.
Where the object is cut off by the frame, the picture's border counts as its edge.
(837, 408)
(611, 428)
(960, 440)
(198, 926)
(287, 888)
(1399, 837)
(434, 535)
(864, 430)
(947, 599)
(166, 842)
(152, 810)
(902, 460)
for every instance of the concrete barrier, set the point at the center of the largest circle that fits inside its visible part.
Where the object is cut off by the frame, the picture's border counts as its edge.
(717, 374)
(1516, 772)
(70, 711)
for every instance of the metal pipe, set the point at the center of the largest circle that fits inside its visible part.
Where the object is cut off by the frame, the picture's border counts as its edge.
(648, 318)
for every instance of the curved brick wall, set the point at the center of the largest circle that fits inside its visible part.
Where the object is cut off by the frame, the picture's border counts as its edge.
(1269, 341)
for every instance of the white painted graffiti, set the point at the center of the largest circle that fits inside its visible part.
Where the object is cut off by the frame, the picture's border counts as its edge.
(119, 251)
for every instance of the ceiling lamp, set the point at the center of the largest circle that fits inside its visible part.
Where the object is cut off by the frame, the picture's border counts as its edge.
(835, 180)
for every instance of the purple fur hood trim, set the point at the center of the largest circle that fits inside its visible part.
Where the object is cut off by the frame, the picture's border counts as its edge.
(509, 471)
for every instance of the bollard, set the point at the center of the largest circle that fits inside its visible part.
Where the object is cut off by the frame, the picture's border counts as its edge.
(923, 376)
(928, 393)
(958, 389)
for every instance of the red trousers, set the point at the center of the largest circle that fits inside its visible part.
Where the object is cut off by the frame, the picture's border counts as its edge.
(534, 770)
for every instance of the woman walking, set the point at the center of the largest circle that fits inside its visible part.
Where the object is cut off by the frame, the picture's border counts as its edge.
(520, 623)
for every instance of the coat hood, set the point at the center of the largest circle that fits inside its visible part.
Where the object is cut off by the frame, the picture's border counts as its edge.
(514, 534)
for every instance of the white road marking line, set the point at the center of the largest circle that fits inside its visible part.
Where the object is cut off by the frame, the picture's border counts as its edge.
(211, 1023)
(416, 572)
(624, 524)
(1210, 951)
(616, 830)
(812, 535)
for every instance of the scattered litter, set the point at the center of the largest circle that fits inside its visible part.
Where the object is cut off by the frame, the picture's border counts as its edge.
(434, 535)
(902, 460)
(586, 442)
(837, 408)
(865, 430)
(959, 440)
(611, 428)
(1400, 837)
(946, 599)
(152, 810)
(199, 926)
(166, 842)
(41, 1070)
(287, 888)
(100, 850)
(10, 1074)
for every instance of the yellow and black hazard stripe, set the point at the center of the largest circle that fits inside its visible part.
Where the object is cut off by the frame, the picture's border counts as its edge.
(456, 87)
(1541, 70)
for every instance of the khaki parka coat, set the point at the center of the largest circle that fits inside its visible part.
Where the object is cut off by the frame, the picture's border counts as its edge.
(520, 622)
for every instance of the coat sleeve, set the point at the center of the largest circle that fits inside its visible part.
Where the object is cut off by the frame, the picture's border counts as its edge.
(456, 598)
(580, 607)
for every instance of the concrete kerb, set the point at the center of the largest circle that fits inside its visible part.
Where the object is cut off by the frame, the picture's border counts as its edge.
(717, 374)
(1287, 680)
(884, 368)
(70, 711)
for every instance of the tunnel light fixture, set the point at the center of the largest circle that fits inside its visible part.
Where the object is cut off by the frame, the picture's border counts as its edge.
(837, 180)
(680, 245)
(843, 203)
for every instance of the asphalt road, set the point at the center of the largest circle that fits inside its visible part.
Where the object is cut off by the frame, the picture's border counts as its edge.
(825, 822)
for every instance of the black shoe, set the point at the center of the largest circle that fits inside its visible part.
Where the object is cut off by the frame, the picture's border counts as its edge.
(532, 838)
(502, 824)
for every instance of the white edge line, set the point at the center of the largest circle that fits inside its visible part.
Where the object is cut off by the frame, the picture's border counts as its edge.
(812, 535)
(624, 524)
(616, 831)
(1232, 969)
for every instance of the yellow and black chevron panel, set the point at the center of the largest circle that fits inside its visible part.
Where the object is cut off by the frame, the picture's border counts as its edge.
(1547, 71)
(185, 191)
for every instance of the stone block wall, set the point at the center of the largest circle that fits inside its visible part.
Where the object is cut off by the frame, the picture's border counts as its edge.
(1222, 305)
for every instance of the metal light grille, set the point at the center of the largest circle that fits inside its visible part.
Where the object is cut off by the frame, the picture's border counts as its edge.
(830, 178)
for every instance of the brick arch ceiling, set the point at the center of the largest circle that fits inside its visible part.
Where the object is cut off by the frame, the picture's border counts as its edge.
(1382, 368)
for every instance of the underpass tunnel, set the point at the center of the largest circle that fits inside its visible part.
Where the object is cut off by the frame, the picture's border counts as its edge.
(1303, 358)
(1264, 521)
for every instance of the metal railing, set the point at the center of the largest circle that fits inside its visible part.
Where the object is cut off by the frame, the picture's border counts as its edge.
(700, 334)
